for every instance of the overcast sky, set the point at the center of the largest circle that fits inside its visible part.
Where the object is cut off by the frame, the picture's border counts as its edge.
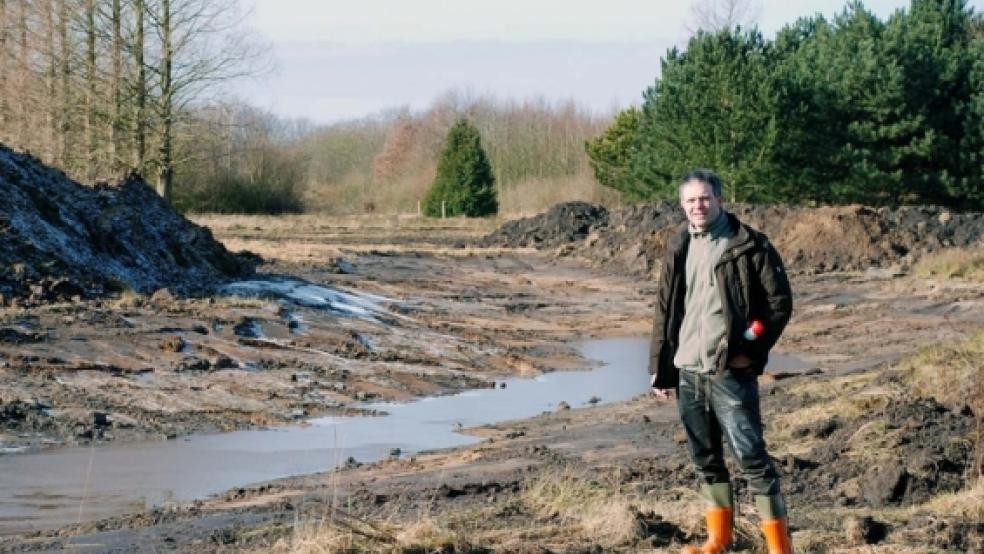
(340, 60)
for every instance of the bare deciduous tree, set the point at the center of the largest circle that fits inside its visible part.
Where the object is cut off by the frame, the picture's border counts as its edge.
(199, 49)
(715, 15)
(97, 85)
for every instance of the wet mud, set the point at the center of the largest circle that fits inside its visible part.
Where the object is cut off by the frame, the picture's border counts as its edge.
(445, 318)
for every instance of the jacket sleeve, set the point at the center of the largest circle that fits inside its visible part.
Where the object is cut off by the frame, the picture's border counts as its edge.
(778, 297)
(660, 367)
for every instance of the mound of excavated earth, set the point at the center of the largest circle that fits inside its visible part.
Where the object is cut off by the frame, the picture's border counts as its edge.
(633, 239)
(59, 239)
(561, 224)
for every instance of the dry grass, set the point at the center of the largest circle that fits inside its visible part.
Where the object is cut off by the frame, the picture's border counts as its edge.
(594, 511)
(429, 535)
(534, 196)
(320, 538)
(286, 226)
(347, 534)
(847, 396)
(967, 503)
(953, 263)
(315, 238)
(945, 371)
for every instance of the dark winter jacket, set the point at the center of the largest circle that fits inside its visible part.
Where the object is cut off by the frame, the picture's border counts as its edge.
(753, 285)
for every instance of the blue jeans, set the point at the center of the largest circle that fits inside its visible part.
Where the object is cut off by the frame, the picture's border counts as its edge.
(725, 405)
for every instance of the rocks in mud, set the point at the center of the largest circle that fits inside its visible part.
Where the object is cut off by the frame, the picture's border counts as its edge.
(224, 362)
(173, 343)
(864, 530)
(634, 239)
(884, 483)
(100, 419)
(60, 240)
(15, 412)
(12, 335)
(194, 364)
(248, 327)
(470, 489)
(820, 429)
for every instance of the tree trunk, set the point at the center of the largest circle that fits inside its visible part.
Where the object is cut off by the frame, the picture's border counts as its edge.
(90, 90)
(165, 174)
(51, 107)
(3, 70)
(65, 72)
(116, 115)
(23, 79)
(140, 148)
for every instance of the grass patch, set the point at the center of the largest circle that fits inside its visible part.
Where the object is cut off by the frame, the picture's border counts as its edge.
(848, 396)
(952, 263)
(967, 503)
(946, 371)
(596, 511)
(323, 537)
(315, 238)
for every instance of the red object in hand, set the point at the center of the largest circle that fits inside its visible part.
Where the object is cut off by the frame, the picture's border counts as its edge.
(755, 330)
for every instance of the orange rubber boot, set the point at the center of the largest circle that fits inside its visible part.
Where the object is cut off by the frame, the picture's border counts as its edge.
(776, 533)
(720, 532)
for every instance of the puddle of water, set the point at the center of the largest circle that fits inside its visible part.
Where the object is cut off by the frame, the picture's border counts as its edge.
(302, 293)
(788, 363)
(59, 487)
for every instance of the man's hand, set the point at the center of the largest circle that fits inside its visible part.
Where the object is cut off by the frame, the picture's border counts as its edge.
(663, 394)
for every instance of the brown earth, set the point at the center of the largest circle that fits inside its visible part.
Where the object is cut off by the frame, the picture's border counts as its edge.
(811, 240)
(861, 475)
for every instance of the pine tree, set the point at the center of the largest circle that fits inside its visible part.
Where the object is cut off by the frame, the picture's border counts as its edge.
(610, 153)
(464, 183)
(713, 106)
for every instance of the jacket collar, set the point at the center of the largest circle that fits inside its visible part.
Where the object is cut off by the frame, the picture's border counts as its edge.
(740, 241)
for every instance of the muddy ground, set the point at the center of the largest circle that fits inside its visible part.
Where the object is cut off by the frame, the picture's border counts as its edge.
(457, 317)
(161, 366)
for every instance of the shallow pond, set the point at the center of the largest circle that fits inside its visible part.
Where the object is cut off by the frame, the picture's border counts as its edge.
(59, 487)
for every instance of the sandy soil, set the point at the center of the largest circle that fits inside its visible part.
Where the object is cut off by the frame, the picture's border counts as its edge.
(461, 317)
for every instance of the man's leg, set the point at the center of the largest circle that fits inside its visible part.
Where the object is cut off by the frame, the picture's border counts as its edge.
(735, 400)
(707, 453)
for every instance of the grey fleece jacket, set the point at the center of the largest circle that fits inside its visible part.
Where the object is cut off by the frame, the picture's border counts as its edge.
(704, 324)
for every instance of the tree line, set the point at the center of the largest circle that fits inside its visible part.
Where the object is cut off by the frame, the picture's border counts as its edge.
(387, 163)
(97, 87)
(851, 109)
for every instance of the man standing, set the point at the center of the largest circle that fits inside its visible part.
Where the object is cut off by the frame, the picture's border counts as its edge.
(723, 301)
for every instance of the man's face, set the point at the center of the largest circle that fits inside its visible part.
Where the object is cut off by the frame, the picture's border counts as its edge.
(700, 204)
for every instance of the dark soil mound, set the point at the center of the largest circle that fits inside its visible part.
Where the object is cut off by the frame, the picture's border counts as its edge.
(59, 239)
(904, 454)
(561, 224)
(634, 239)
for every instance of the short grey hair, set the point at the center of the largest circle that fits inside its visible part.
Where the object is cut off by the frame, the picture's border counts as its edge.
(705, 176)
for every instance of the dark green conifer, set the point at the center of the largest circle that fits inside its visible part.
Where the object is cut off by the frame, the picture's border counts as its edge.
(464, 182)
(611, 152)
